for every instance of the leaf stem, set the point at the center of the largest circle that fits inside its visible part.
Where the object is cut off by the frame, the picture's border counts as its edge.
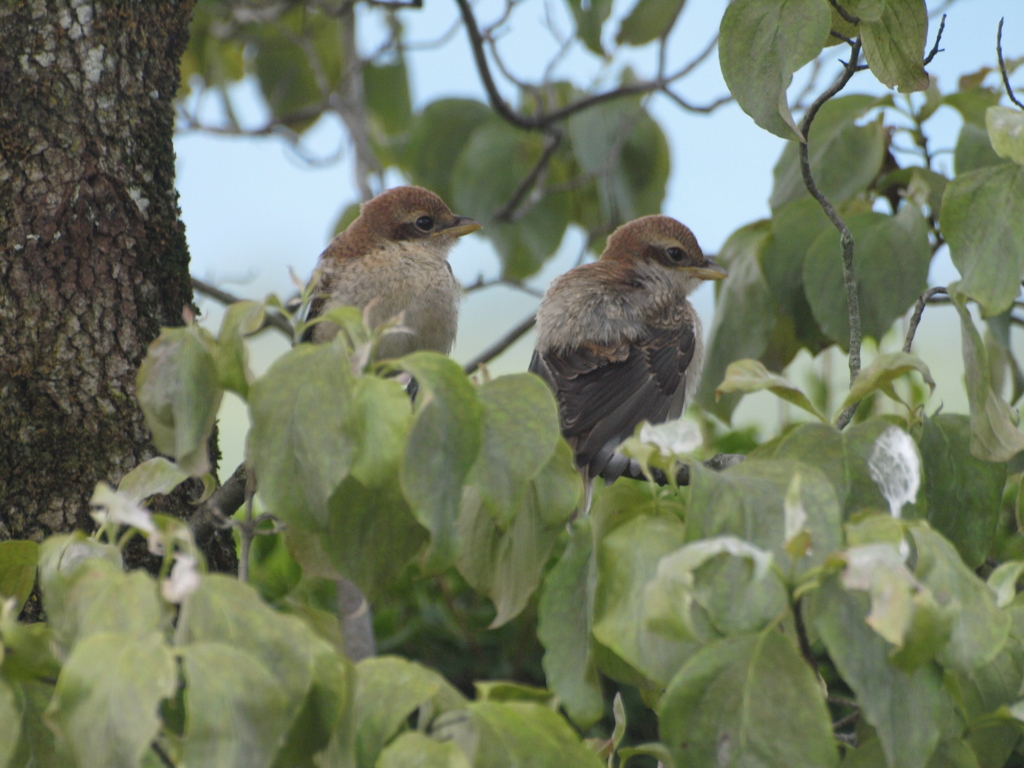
(915, 318)
(1002, 65)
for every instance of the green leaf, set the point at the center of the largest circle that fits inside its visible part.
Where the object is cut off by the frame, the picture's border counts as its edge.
(520, 429)
(10, 721)
(648, 20)
(387, 95)
(18, 561)
(973, 101)
(845, 158)
(179, 392)
(590, 17)
(794, 227)
(751, 376)
(905, 707)
(441, 449)
(994, 435)
(282, 50)
(105, 705)
(151, 477)
(983, 222)
(437, 138)
(747, 501)
(1003, 581)
(514, 733)
(301, 446)
(728, 582)
(744, 315)
(627, 559)
(979, 627)
(236, 713)
(964, 493)
(507, 564)
(495, 161)
(973, 150)
(28, 649)
(59, 558)
(886, 286)
(894, 44)
(212, 57)
(414, 750)
(624, 149)
(747, 700)
(884, 370)
(564, 618)
(762, 43)
(1006, 132)
(37, 746)
(240, 320)
(388, 690)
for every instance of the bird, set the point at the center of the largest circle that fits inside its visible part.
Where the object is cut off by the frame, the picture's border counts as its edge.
(391, 262)
(619, 343)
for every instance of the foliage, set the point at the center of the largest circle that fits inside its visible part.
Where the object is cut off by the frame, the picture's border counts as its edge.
(844, 595)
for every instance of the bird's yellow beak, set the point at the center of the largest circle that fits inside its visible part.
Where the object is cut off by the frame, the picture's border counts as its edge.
(462, 225)
(709, 270)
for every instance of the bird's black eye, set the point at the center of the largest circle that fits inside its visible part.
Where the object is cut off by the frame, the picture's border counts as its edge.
(676, 254)
(425, 223)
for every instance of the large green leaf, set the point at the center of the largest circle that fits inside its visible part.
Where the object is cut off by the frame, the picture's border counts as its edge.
(179, 392)
(891, 260)
(905, 707)
(240, 319)
(1006, 132)
(983, 222)
(105, 705)
(18, 560)
(761, 44)
(748, 700)
(994, 434)
(564, 617)
(590, 17)
(648, 20)
(414, 750)
(520, 421)
(979, 627)
(894, 44)
(301, 447)
(442, 447)
(964, 493)
(437, 138)
(515, 733)
(880, 374)
(388, 690)
(10, 721)
(489, 170)
(507, 563)
(387, 95)
(745, 376)
(974, 150)
(744, 315)
(794, 227)
(620, 145)
(627, 559)
(747, 501)
(845, 158)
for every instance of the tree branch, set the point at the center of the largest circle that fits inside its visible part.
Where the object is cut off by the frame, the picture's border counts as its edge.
(848, 17)
(845, 238)
(915, 318)
(270, 318)
(935, 48)
(500, 345)
(1002, 65)
(507, 212)
(718, 462)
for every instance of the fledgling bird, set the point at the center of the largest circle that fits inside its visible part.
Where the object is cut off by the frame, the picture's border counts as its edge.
(618, 342)
(396, 251)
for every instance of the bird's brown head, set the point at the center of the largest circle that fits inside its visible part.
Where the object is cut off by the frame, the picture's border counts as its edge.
(662, 241)
(410, 214)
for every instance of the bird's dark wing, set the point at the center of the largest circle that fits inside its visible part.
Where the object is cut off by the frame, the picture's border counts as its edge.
(316, 308)
(604, 391)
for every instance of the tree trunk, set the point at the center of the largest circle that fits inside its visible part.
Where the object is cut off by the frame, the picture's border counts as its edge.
(93, 258)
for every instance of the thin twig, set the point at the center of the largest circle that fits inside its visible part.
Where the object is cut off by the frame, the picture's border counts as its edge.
(935, 48)
(915, 318)
(1002, 65)
(501, 344)
(270, 318)
(507, 212)
(848, 17)
(845, 238)
(849, 719)
(482, 284)
(164, 757)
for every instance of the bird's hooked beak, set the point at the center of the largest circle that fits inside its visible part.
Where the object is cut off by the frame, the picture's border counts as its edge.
(462, 225)
(709, 270)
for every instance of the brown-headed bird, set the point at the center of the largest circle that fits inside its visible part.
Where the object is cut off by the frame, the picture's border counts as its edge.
(396, 251)
(618, 342)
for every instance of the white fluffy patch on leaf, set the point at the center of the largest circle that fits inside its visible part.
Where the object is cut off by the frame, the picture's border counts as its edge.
(672, 438)
(895, 466)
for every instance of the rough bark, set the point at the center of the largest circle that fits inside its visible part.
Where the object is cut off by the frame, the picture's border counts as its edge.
(93, 258)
